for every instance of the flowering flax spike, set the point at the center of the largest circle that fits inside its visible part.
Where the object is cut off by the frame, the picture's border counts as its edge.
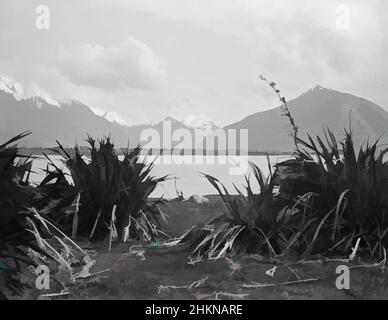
(284, 108)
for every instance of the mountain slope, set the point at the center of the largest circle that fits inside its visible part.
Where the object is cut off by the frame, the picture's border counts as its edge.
(68, 123)
(314, 110)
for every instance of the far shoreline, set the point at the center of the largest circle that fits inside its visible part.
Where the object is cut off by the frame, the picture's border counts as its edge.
(38, 151)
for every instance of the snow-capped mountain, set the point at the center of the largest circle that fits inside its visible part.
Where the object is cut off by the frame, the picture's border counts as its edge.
(39, 95)
(200, 121)
(33, 109)
(33, 92)
(110, 116)
(10, 86)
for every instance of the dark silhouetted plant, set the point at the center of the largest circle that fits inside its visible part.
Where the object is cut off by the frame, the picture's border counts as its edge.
(251, 223)
(24, 232)
(351, 191)
(113, 193)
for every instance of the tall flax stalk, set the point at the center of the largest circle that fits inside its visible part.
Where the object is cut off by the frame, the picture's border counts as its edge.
(285, 109)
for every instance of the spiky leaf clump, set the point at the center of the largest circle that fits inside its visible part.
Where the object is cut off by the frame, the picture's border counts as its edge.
(322, 201)
(24, 233)
(105, 182)
(351, 190)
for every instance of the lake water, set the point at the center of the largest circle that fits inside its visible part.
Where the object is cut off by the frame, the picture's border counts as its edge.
(188, 172)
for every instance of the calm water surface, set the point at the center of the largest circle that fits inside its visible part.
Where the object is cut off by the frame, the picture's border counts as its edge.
(188, 172)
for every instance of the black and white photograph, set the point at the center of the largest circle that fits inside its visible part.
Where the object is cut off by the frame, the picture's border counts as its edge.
(208, 151)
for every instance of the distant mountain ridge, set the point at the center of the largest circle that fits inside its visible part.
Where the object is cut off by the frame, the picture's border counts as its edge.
(313, 111)
(66, 121)
(70, 121)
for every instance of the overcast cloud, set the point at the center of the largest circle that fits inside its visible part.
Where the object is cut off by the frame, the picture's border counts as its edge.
(130, 64)
(143, 60)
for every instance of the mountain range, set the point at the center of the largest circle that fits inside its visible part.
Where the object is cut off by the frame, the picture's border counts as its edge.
(315, 110)
(70, 121)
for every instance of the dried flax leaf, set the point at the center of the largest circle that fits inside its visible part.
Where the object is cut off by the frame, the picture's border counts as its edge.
(230, 295)
(65, 237)
(113, 232)
(36, 233)
(95, 224)
(195, 284)
(75, 218)
(256, 285)
(354, 250)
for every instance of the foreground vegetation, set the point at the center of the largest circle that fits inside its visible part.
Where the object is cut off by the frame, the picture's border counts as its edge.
(108, 199)
(168, 274)
(329, 200)
(27, 238)
(111, 195)
(324, 201)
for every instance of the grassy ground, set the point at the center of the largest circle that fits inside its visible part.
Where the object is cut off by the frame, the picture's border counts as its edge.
(164, 274)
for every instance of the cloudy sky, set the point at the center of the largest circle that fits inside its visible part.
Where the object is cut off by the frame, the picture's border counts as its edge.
(148, 59)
